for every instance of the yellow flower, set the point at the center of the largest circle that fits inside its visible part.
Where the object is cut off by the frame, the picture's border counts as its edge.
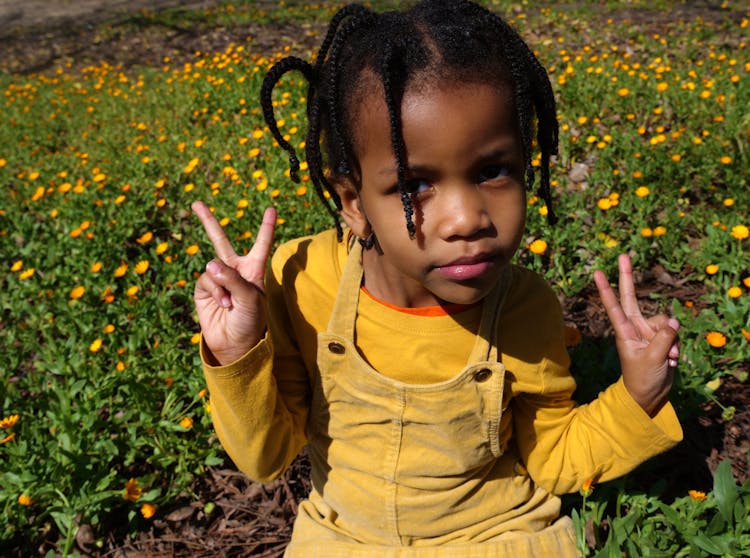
(192, 250)
(132, 490)
(8, 438)
(109, 328)
(77, 292)
(190, 167)
(697, 495)
(96, 345)
(96, 267)
(642, 191)
(162, 247)
(660, 231)
(734, 292)
(26, 274)
(539, 246)
(145, 237)
(195, 339)
(25, 500)
(132, 291)
(9, 422)
(17, 266)
(740, 232)
(623, 92)
(186, 423)
(716, 339)
(141, 267)
(725, 160)
(604, 204)
(148, 511)
(712, 269)
(121, 269)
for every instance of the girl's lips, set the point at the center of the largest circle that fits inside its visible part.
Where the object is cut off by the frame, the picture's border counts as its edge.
(463, 271)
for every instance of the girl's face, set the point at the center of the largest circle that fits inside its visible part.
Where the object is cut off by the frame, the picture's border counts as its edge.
(465, 172)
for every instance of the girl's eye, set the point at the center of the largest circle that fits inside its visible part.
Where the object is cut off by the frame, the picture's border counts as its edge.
(416, 186)
(493, 172)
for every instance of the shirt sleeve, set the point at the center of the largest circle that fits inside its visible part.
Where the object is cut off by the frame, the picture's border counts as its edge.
(260, 403)
(563, 444)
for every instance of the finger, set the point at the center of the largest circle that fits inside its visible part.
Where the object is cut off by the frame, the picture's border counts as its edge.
(264, 240)
(215, 232)
(627, 287)
(617, 316)
(233, 287)
(255, 271)
(207, 288)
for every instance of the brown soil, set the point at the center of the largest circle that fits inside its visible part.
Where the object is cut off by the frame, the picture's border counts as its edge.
(250, 518)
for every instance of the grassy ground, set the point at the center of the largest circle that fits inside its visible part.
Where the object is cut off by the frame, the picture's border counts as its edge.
(104, 411)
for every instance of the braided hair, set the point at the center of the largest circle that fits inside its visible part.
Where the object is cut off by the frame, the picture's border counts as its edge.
(446, 39)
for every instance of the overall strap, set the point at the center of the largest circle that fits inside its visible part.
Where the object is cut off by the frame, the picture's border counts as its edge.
(344, 312)
(485, 347)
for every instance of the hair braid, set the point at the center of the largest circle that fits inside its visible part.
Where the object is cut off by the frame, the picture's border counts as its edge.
(269, 82)
(393, 96)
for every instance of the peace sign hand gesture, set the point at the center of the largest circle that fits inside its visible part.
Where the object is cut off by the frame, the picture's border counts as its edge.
(229, 296)
(647, 347)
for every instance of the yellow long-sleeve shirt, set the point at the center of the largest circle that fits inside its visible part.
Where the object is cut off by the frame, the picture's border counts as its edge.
(261, 403)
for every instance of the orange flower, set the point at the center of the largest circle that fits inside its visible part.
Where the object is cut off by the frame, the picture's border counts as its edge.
(186, 423)
(697, 495)
(141, 267)
(77, 292)
(587, 487)
(716, 339)
(132, 490)
(539, 246)
(746, 333)
(121, 269)
(9, 422)
(192, 250)
(148, 511)
(145, 237)
(25, 500)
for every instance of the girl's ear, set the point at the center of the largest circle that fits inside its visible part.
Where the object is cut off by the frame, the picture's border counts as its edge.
(351, 207)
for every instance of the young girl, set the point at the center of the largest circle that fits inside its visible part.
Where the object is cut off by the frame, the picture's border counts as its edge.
(426, 373)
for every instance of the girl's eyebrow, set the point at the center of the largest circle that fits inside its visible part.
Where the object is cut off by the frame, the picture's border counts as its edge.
(494, 154)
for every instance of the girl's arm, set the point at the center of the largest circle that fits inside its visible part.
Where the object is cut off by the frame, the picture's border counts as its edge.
(563, 444)
(258, 397)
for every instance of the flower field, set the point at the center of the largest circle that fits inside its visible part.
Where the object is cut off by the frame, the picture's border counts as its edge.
(104, 415)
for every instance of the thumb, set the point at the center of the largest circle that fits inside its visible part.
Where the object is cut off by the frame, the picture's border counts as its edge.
(663, 344)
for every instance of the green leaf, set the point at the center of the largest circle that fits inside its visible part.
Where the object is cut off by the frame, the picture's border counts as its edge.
(725, 490)
(708, 544)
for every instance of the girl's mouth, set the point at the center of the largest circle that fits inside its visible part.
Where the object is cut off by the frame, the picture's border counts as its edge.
(464, 270)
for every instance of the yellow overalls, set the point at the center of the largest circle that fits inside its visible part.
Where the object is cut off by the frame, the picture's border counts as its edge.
(414, 470)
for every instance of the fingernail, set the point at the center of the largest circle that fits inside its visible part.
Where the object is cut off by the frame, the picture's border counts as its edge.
(672, 363)
(226, 302)
(212, 268)
(674, 324)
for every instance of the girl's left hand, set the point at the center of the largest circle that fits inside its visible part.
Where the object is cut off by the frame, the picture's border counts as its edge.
(647, 347)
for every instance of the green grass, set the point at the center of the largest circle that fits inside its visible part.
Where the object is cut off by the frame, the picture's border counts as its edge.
(98, 169)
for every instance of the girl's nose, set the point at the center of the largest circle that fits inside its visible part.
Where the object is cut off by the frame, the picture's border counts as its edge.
(463, 212)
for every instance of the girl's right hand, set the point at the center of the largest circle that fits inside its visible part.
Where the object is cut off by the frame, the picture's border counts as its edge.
(230, 295)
